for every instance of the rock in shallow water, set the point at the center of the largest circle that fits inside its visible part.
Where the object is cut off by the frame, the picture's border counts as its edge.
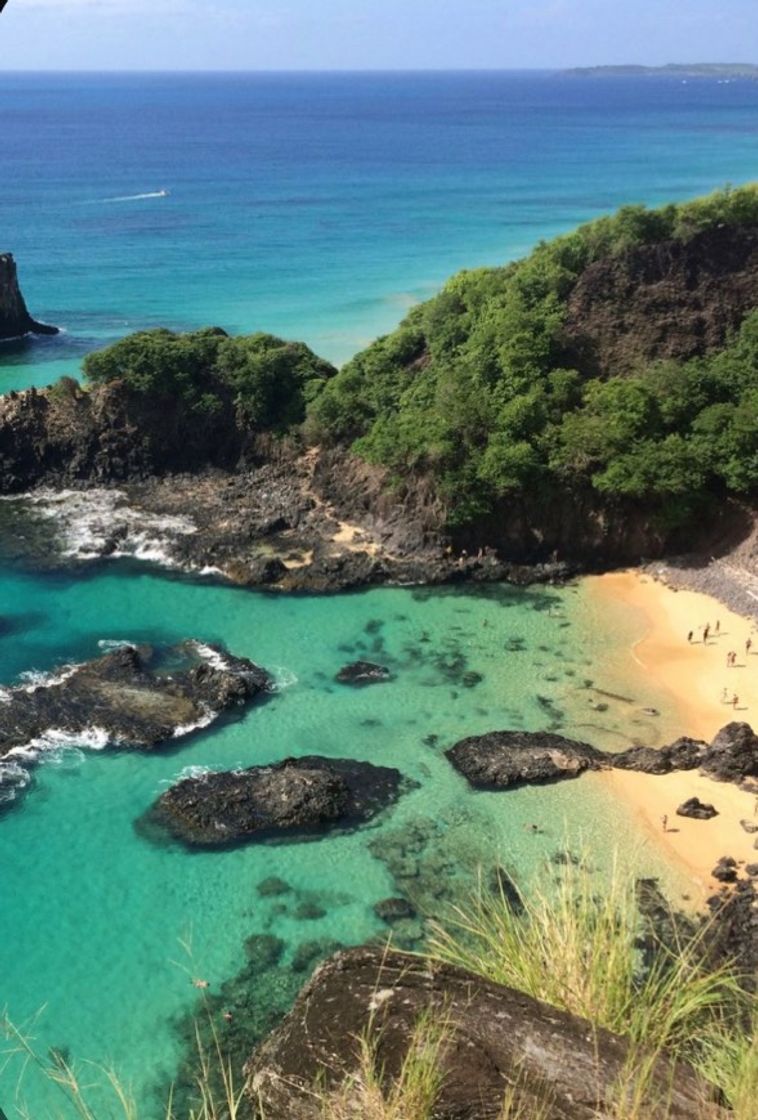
(362, 672)
(498, 1038)
(136, 697)
(298, 797)
(501, 759)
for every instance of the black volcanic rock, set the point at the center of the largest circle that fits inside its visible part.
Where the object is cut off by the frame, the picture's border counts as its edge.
(683, 754)
(733, 754)
(136, 697)
(394, 909)
(298, 797)
(561, 1067)
(501, 759)
(15, 319)
(362, 672)
(725, 870)
(696, 809)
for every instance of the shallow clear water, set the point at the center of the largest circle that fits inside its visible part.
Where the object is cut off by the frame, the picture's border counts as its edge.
(318, 207)
(95, 913)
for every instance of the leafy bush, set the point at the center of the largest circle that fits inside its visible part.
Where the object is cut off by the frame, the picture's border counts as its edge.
(267, 381)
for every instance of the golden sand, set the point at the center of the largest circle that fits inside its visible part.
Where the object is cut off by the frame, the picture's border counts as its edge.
(696, 676)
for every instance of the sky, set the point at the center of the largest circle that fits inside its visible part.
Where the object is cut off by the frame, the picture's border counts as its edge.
(371, 34)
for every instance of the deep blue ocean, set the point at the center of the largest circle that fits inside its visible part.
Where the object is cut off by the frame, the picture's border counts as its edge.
(318, 207)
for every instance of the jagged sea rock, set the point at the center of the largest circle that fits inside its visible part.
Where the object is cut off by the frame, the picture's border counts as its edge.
(696, 809)
(501, 759)
(134, 696)
(732, 755)
(498, 1038)
(15, 319)
(362, 672)
(299, 797)
(725, 870)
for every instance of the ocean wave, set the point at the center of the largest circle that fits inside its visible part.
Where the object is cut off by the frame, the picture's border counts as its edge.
(57, 746)
(109, 645)
(187, 728)
(33, 679)
(213, 657)
(90, 524)
(281, 678)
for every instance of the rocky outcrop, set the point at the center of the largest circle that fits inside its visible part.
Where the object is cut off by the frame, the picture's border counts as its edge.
(136, 697)
(299, 797)
(15, 319)
(696, 809)
(733, 931)
(497, 1039)
(733, 755)
(502, 759)
(674, 299)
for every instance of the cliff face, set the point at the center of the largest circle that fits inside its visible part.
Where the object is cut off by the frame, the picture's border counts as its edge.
(676, 299)
(15, 319)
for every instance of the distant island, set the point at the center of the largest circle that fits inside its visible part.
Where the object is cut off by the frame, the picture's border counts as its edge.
(722, 70)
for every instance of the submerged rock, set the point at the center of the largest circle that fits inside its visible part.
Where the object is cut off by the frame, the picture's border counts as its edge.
(362, 672)
(15, 319)
(135, 696)
(298, 797)
(696, 809)
(501, 759)
(498, 1038)
(394, 909)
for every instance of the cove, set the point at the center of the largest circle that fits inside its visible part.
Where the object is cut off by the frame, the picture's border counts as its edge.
(104, 929)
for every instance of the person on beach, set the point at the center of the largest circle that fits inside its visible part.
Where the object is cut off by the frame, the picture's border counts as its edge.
(689, 637)
(718, 626)
(706, 632)
(735, 701)
(665, 822)
(748, 646)
(724, 695)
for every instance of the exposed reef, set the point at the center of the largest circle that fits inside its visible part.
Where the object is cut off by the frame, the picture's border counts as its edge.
(134, 697)
(299, 797)
(499, 1038)
(15, 319)
(501, 759)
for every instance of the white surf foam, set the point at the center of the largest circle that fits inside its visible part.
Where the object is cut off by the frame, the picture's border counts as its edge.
(186, 728)
(213, 657)
(54, 745)
(281, 678)
(87, 524)
(136, 197)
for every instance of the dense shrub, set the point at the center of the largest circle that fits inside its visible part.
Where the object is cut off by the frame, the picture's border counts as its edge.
(266, 380)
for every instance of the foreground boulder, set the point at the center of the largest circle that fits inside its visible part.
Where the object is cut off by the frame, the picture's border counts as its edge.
(135, 696)
(300, 796)
(497, 1038)
(15, 320)
(501, 759)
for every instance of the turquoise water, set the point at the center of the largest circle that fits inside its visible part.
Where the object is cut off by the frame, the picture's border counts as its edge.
(319, 208)
(322, 206)
(99, 918)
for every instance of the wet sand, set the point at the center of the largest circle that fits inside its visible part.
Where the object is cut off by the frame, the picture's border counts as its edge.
(695, 675)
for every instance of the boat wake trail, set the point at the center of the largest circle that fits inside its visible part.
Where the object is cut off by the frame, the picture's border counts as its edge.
(136, 197)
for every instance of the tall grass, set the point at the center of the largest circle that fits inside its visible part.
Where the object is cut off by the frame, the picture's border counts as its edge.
(581, 949)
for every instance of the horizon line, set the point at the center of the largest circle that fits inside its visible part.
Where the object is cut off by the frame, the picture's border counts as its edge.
(364, 70)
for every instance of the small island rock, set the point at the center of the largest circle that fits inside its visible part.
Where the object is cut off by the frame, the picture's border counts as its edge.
(501, 759)
(298, 797)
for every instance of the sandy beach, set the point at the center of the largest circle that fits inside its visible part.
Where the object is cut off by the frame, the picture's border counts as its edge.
(696, 676)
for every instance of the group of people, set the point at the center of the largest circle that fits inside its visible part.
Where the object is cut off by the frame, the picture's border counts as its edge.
(727, 695)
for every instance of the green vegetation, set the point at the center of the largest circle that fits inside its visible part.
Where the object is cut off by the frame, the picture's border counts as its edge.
(268, 382)
(472, 388)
